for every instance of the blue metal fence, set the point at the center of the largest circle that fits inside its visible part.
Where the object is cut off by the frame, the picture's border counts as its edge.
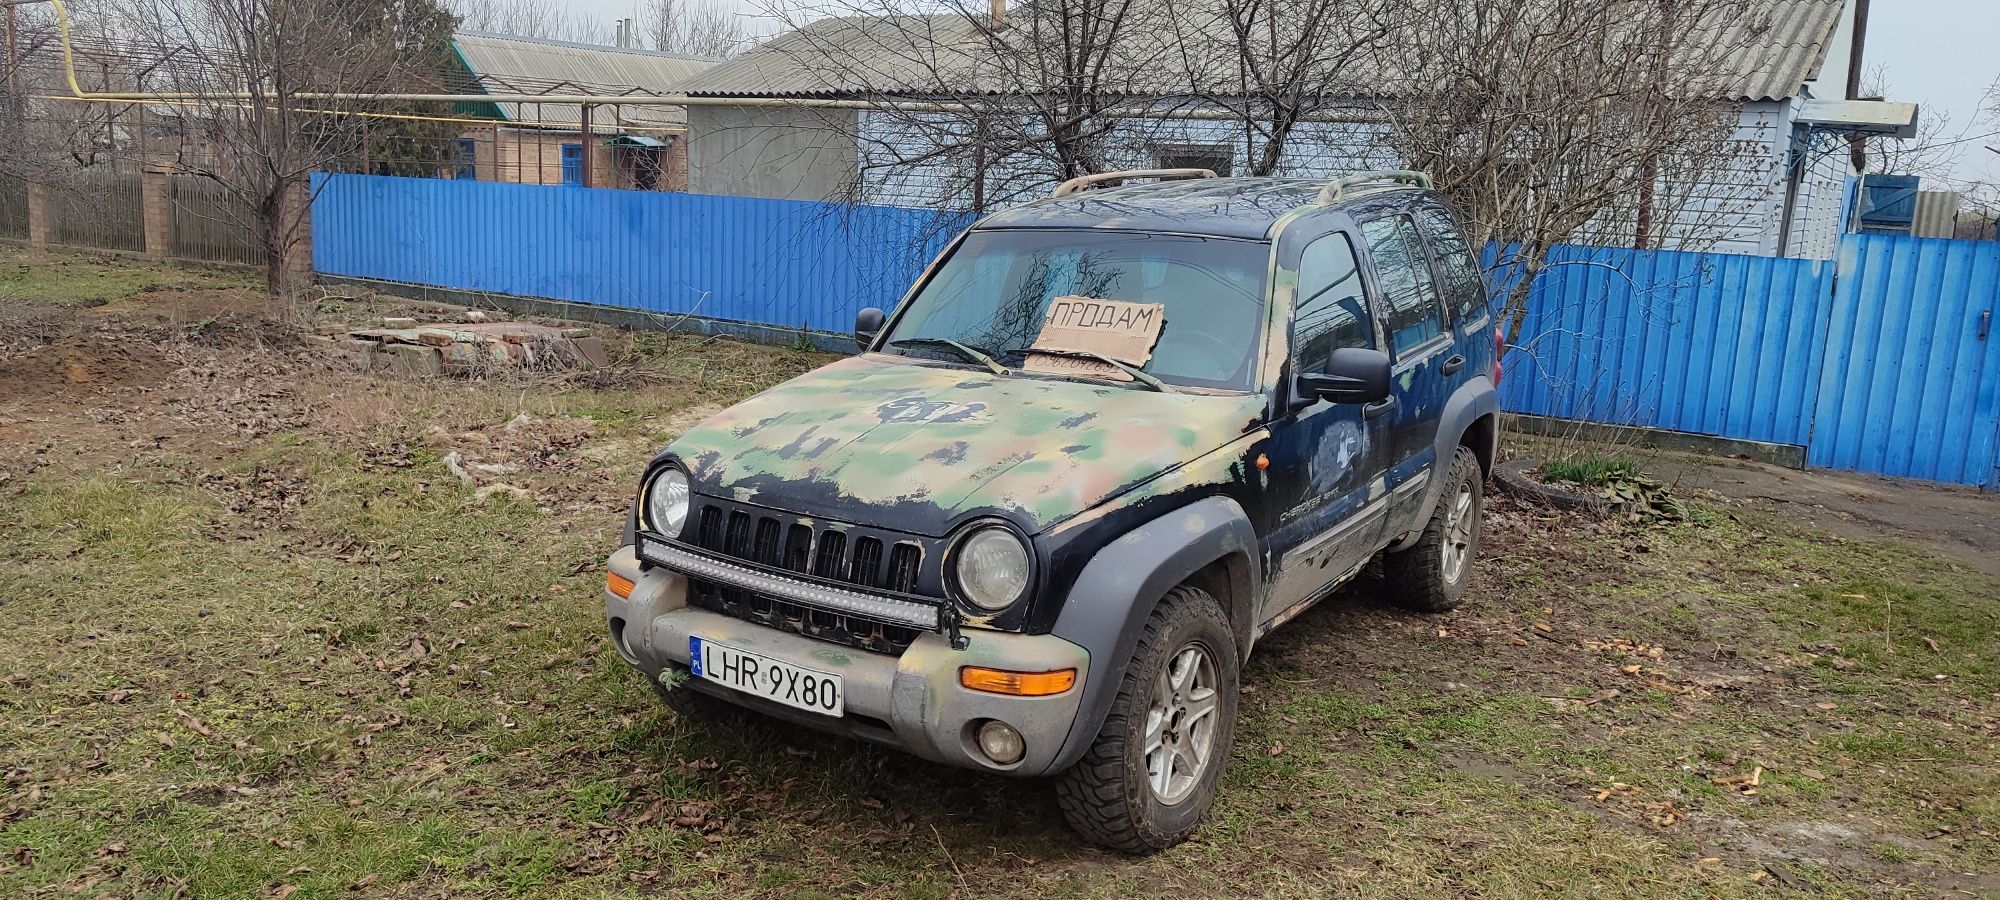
(785, 263)
(1884, 360)
(1911, 384)
(1710, 343)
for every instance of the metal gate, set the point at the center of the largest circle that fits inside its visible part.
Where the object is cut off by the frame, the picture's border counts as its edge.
(1910, 383)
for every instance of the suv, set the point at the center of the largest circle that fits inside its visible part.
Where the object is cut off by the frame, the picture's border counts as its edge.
(1034, 557)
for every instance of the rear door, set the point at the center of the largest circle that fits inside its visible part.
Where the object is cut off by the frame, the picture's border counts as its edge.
(1463, 287)
(1421, 344)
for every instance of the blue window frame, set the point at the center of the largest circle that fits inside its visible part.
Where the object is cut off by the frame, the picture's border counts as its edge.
(572, 164)
(468, 160)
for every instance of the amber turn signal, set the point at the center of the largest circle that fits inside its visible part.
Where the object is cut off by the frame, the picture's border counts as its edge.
(619, 584)
(1019, 684)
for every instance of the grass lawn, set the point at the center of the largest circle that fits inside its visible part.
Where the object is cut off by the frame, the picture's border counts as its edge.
(260, 642)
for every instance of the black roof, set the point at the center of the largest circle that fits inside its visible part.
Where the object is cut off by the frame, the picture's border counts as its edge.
(1224, 207)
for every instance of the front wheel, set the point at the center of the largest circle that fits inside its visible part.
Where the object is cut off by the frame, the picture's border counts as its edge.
(1152, 771)
(1431, 575)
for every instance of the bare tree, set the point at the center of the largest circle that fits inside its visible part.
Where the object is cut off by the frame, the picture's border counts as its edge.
(1932, 153)
(988, 102)
(1552, 121)
(529, 18)
(46, 141)
(271, 90)
(693, 27)
(1278, 65)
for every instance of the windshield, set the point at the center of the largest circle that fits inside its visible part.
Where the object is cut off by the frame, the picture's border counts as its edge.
(992, 294)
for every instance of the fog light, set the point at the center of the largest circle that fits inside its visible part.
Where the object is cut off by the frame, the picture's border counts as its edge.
(1001, 743)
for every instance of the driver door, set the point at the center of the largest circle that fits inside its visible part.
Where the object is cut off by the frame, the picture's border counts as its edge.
(1327, 459)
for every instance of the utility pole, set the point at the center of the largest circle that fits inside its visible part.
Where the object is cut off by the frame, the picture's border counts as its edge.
(588, 144)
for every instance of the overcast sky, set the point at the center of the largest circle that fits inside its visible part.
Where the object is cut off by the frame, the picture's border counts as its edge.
(1940, 53)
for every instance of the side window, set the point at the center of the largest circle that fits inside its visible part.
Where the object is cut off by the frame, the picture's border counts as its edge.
(1410, 311)
(572, 164)
(1464, 289)
(1332, 310)
(467, 167)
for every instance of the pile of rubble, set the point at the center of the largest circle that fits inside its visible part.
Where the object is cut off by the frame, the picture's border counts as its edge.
(402, 346)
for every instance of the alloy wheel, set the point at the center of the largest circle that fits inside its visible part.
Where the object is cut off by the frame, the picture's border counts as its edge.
(1180, 725)
(1458, 525)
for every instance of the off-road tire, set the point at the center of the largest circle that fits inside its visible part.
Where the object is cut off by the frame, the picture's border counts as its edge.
(1105, 796)
(1416, 577)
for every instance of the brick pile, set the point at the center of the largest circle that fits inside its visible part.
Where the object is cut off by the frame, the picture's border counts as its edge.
(403, 347)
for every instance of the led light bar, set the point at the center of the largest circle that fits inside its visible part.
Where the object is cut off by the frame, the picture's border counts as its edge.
(791, 590)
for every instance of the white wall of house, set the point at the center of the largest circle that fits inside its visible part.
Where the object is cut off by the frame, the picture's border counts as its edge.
(1832, 80)
(1736, 207)
(791, 154)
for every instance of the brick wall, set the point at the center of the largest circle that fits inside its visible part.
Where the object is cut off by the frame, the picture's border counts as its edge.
(532, 156)
(154, 193)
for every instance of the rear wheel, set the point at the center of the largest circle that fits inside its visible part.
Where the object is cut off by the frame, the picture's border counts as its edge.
(1151, 773)
(1431, 575)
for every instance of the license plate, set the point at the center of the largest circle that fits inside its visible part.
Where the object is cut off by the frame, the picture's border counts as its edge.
(762, 676)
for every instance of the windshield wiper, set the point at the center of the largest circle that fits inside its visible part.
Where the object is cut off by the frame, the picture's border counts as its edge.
(1141, 377)
(970, 353)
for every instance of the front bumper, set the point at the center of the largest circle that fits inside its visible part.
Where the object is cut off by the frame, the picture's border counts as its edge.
(913, 702)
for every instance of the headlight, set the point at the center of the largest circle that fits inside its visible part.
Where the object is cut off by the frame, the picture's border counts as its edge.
(667, 502)
(992, 568)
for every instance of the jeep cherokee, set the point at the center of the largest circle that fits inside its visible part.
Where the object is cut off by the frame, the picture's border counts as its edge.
(1034, 558)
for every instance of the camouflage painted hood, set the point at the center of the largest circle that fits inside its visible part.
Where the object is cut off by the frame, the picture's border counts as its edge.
(912, 447)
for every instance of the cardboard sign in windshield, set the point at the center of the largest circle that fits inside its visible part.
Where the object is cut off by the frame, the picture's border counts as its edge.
(1120, 329)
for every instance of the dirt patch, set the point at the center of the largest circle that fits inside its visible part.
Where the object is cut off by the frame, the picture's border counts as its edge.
(1959, 522)
(166, 305)
(77, 366)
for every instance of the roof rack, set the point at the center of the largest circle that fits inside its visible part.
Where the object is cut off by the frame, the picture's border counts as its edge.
(1082, 182)
(1337, 188)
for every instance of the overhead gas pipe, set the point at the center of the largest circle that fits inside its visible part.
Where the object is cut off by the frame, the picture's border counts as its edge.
(669, 99)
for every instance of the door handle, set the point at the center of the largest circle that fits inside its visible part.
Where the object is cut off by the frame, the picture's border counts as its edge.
(1985, 324)
(1377, 408)
(1452, 365)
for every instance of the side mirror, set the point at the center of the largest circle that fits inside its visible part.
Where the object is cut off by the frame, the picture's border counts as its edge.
(867, 324)
(1353, 375)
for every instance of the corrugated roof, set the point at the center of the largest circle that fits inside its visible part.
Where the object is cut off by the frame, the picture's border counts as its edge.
(1781, 45)
(509, 64)
(851, 54)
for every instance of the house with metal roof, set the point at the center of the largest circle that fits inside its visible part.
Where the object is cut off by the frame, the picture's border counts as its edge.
(635, 147)
(1775, 195)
